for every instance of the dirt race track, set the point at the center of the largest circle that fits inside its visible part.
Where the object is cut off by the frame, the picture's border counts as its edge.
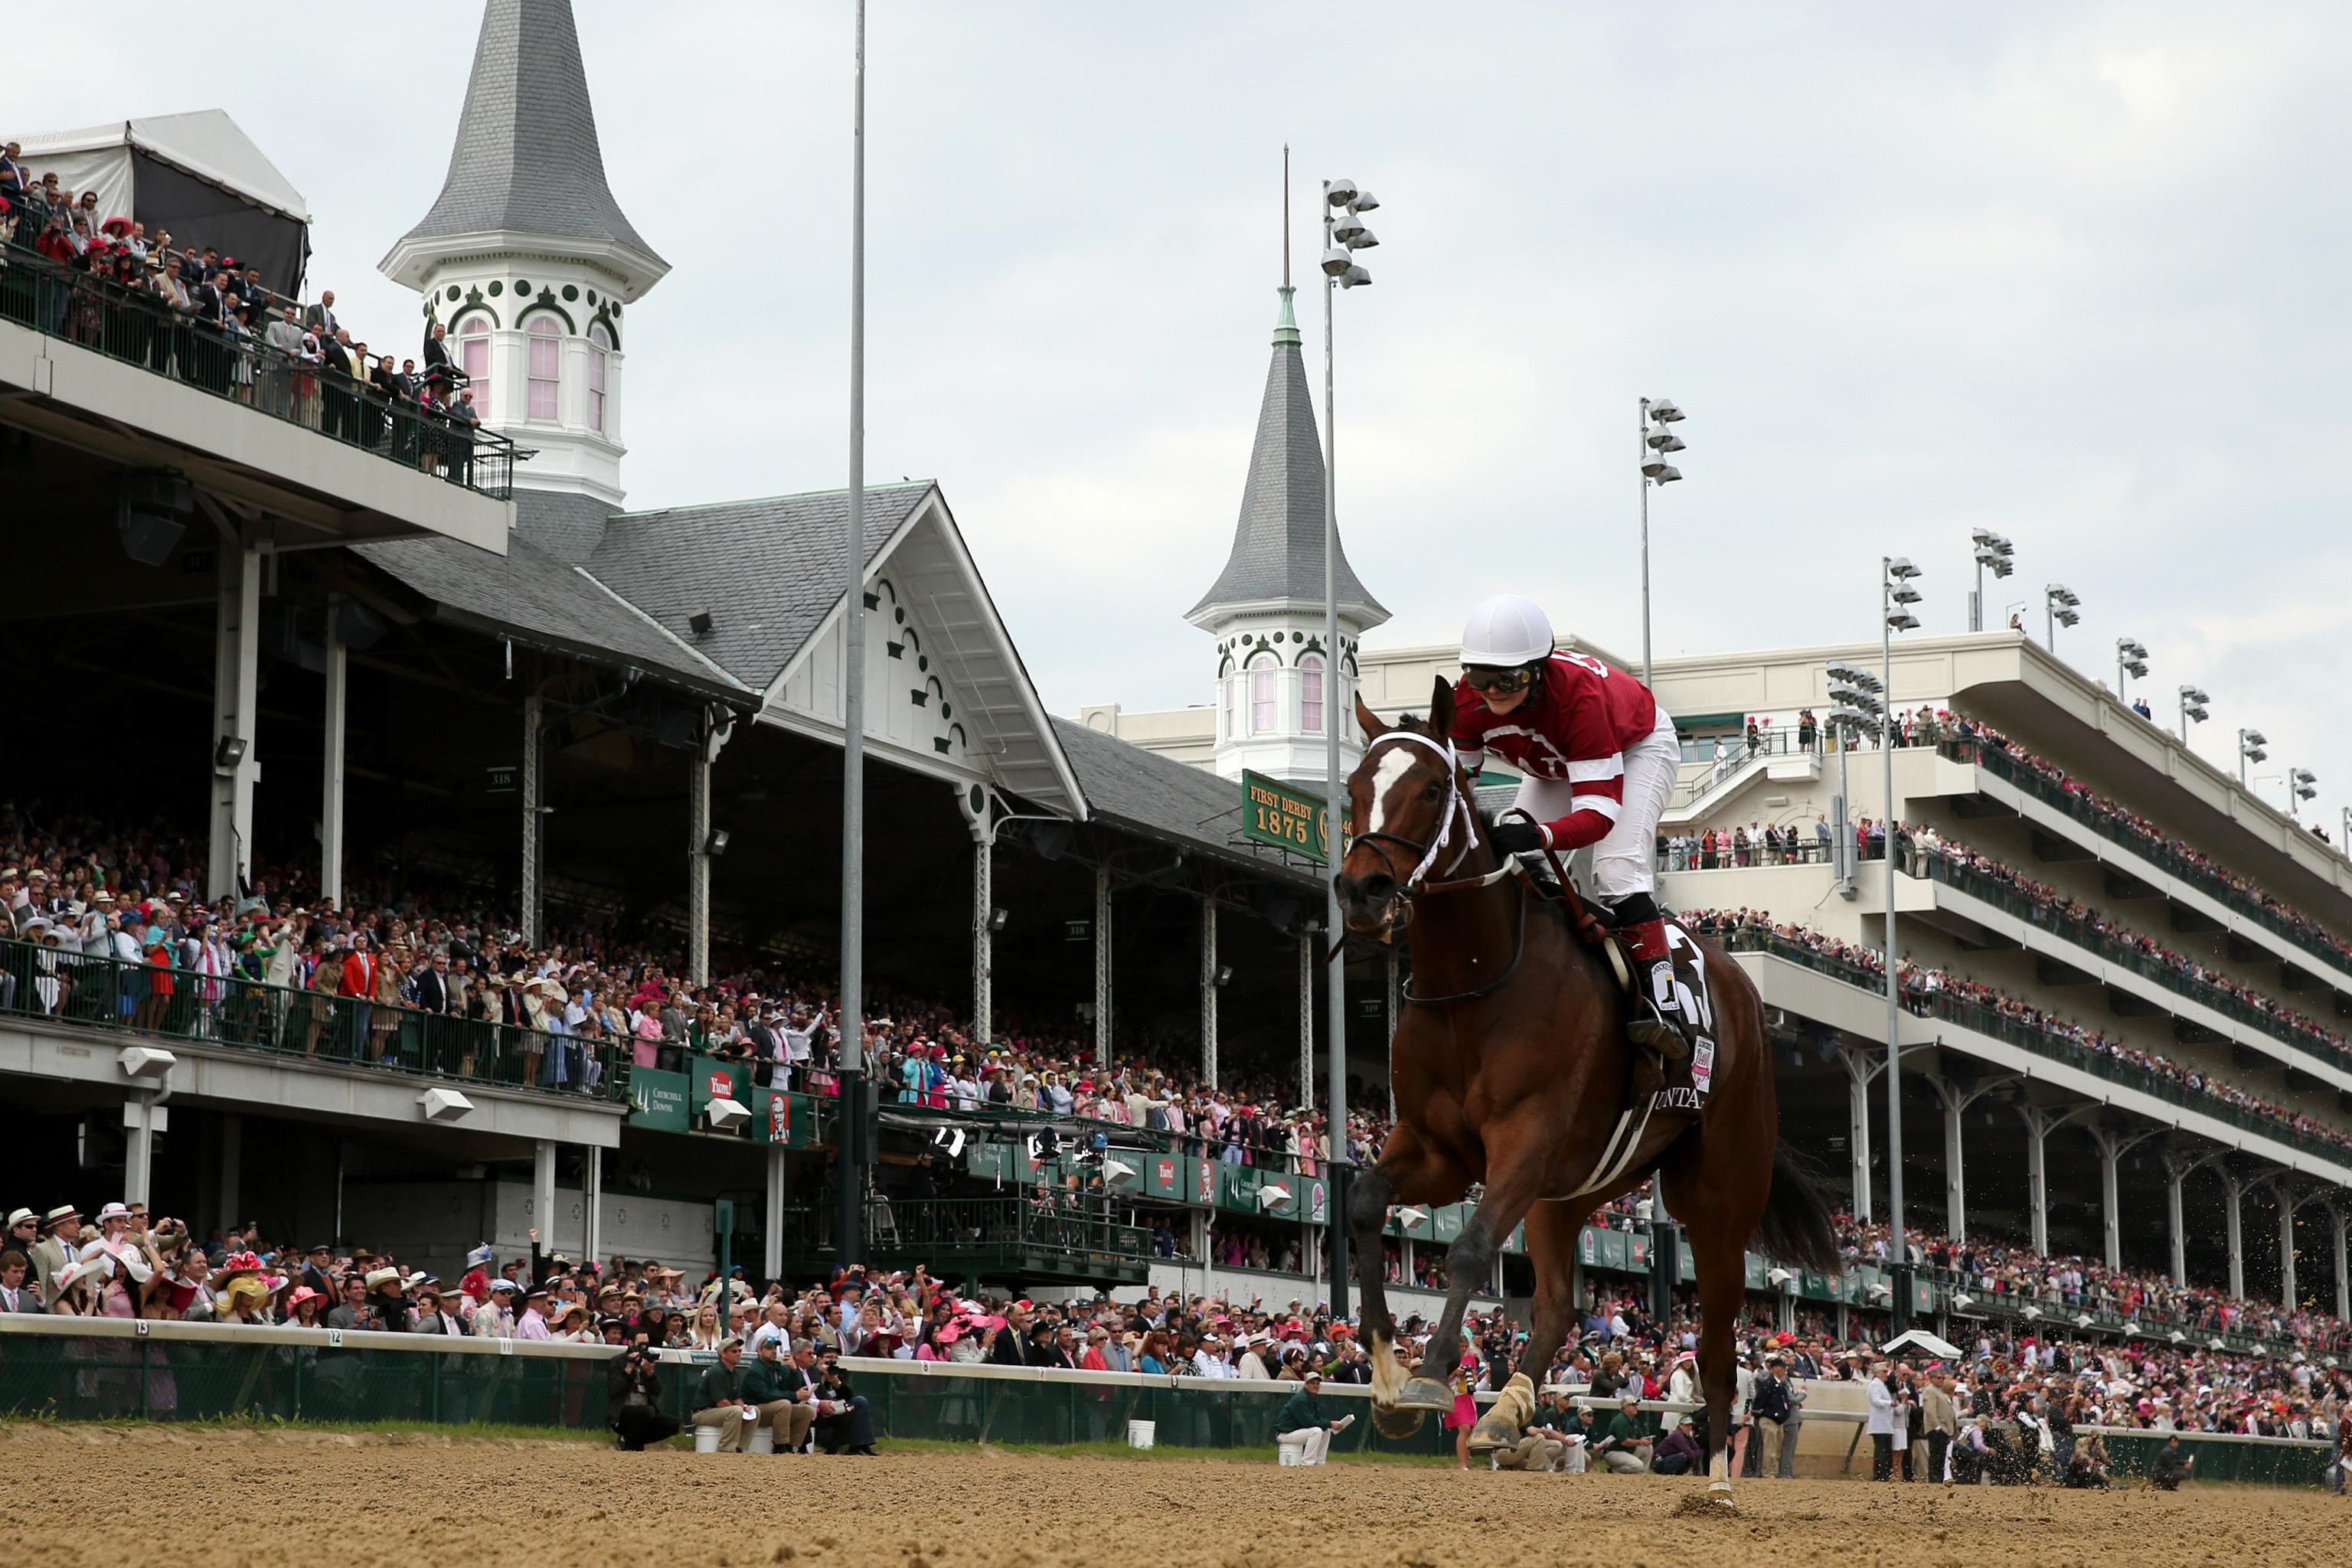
(207, 1497)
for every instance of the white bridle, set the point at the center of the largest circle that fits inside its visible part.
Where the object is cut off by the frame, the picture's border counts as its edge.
(1460, 810)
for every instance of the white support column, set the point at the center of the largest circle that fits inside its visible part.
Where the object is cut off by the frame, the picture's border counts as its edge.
(532, 733)
(1102, 966)
(542, 1191)
(330, 772)
(1307, 1017)
(140, 1125)
(1956, 1099)
(697, 865)
(984, 932)
(2285, 1196)
(236, 674)
(2234, 1191)
(1209, 989)
(232, 1167)
(2039, 1125)
(772, 1234)
(1955, 1183)
(2176, 1174)
(1861, 1068)
(592, 1202)
(2339, 1222)
(2112, 1145)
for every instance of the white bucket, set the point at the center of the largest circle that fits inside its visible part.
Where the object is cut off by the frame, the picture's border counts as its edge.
(763, 1441)
(706, 1439)
(1141, 1434)
(1291, 1453)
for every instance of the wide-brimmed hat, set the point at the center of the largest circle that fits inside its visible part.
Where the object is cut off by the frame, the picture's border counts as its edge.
(381, 1276)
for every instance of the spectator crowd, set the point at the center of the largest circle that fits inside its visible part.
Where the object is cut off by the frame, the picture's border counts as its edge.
(187, 310)
(1933, 992)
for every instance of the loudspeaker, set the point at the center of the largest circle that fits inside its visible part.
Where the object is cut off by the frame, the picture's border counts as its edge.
(152, 512)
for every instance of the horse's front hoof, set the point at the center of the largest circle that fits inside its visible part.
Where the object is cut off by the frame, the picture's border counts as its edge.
(1425, 1393)
(1493, 1433)
(1395, 1422)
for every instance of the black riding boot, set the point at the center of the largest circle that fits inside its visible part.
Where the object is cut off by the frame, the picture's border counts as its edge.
(1659, 1023)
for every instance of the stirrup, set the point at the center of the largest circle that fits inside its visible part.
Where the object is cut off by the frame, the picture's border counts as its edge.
(1654, 1030)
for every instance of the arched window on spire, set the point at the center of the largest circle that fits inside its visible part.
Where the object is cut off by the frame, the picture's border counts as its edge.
(1230, 683)
(599, 343)
(1265, 694)
(545, 336)
(1310, 693)
(473, 336)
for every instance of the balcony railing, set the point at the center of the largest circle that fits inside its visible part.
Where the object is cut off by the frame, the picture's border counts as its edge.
(1995, 1024)
(2155, 850)
(300, 1027)
(143, 329)
(1977, 885)
(1042, 1232)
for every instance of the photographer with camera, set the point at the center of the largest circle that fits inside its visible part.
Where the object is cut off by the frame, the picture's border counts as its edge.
(634, 1386)
(844, 1423)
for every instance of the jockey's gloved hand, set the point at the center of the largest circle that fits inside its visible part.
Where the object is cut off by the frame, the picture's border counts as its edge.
(1515, 837)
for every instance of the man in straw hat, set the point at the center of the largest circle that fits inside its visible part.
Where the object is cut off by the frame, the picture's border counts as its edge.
(59, 1245)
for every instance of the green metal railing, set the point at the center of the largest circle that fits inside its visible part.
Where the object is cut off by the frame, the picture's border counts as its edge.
(1997, 1025)
(299, 1027)
(2155, 851)
(107, 1371)
(110, 1370)
(1073, 1235)
(142, 329)
(1977, 885)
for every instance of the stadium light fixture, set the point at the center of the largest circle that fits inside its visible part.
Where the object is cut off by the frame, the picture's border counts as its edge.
(1993, 554)
(2302, 784)
(2131, 658)
(1345, 233)
(2060, 606)
(2192, 709)
(1896, 596)
(2250, 749)
(1656, 441)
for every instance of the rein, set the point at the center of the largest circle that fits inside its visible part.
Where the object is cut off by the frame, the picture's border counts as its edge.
(1413, 885)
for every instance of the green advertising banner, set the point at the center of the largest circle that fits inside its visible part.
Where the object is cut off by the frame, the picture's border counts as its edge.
(658, 1099)
(789, 1119)
(1446, 1223)
(1286, 817)
(1163, 1176)
(707, 1078)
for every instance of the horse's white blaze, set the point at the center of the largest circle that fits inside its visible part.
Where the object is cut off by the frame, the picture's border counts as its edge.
(1396, 762)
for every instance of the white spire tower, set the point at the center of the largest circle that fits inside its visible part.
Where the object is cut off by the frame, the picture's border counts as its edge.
(528, 259)
(1275, 688)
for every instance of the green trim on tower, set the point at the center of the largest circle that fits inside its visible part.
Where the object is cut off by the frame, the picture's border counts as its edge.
(1286, 326)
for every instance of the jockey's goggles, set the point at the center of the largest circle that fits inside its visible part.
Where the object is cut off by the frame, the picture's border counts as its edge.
(1481, 678)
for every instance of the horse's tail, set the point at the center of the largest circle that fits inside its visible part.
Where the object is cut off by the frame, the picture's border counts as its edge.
(1795, 1228)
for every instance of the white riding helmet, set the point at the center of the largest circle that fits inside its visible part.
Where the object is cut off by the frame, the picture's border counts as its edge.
(1507, 631)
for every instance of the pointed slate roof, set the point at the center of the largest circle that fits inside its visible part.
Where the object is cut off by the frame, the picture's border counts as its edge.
(1279, 542)
(527, 158)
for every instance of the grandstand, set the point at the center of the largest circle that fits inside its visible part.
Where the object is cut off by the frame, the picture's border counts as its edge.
(343, 673)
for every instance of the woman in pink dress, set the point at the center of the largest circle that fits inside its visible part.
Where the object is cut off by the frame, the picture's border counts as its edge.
(1465, 1413)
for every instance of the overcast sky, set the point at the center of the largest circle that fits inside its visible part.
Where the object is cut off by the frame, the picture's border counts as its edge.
(2077, 273)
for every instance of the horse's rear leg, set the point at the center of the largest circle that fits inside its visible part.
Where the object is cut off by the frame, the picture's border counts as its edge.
(1718, 1256)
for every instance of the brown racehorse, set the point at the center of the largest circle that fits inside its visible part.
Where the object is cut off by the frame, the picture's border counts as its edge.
(1512, 1070)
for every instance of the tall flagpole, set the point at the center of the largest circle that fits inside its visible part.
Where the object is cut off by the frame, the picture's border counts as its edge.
(851, 1104)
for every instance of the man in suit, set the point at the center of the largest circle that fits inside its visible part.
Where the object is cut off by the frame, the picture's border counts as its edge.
(59, 1245)
(359, 985)
(284, 337)
(16, 1296)
(1941, 1418)
(24, 1233)
(432, 983)
(321, 317)
(335, 349)
(1013, 1347)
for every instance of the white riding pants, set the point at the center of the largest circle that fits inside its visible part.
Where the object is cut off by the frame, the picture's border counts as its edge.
(1315, 1440)
(1623, 861)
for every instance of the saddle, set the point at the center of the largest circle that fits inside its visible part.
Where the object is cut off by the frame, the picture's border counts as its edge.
(1657, 1084)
